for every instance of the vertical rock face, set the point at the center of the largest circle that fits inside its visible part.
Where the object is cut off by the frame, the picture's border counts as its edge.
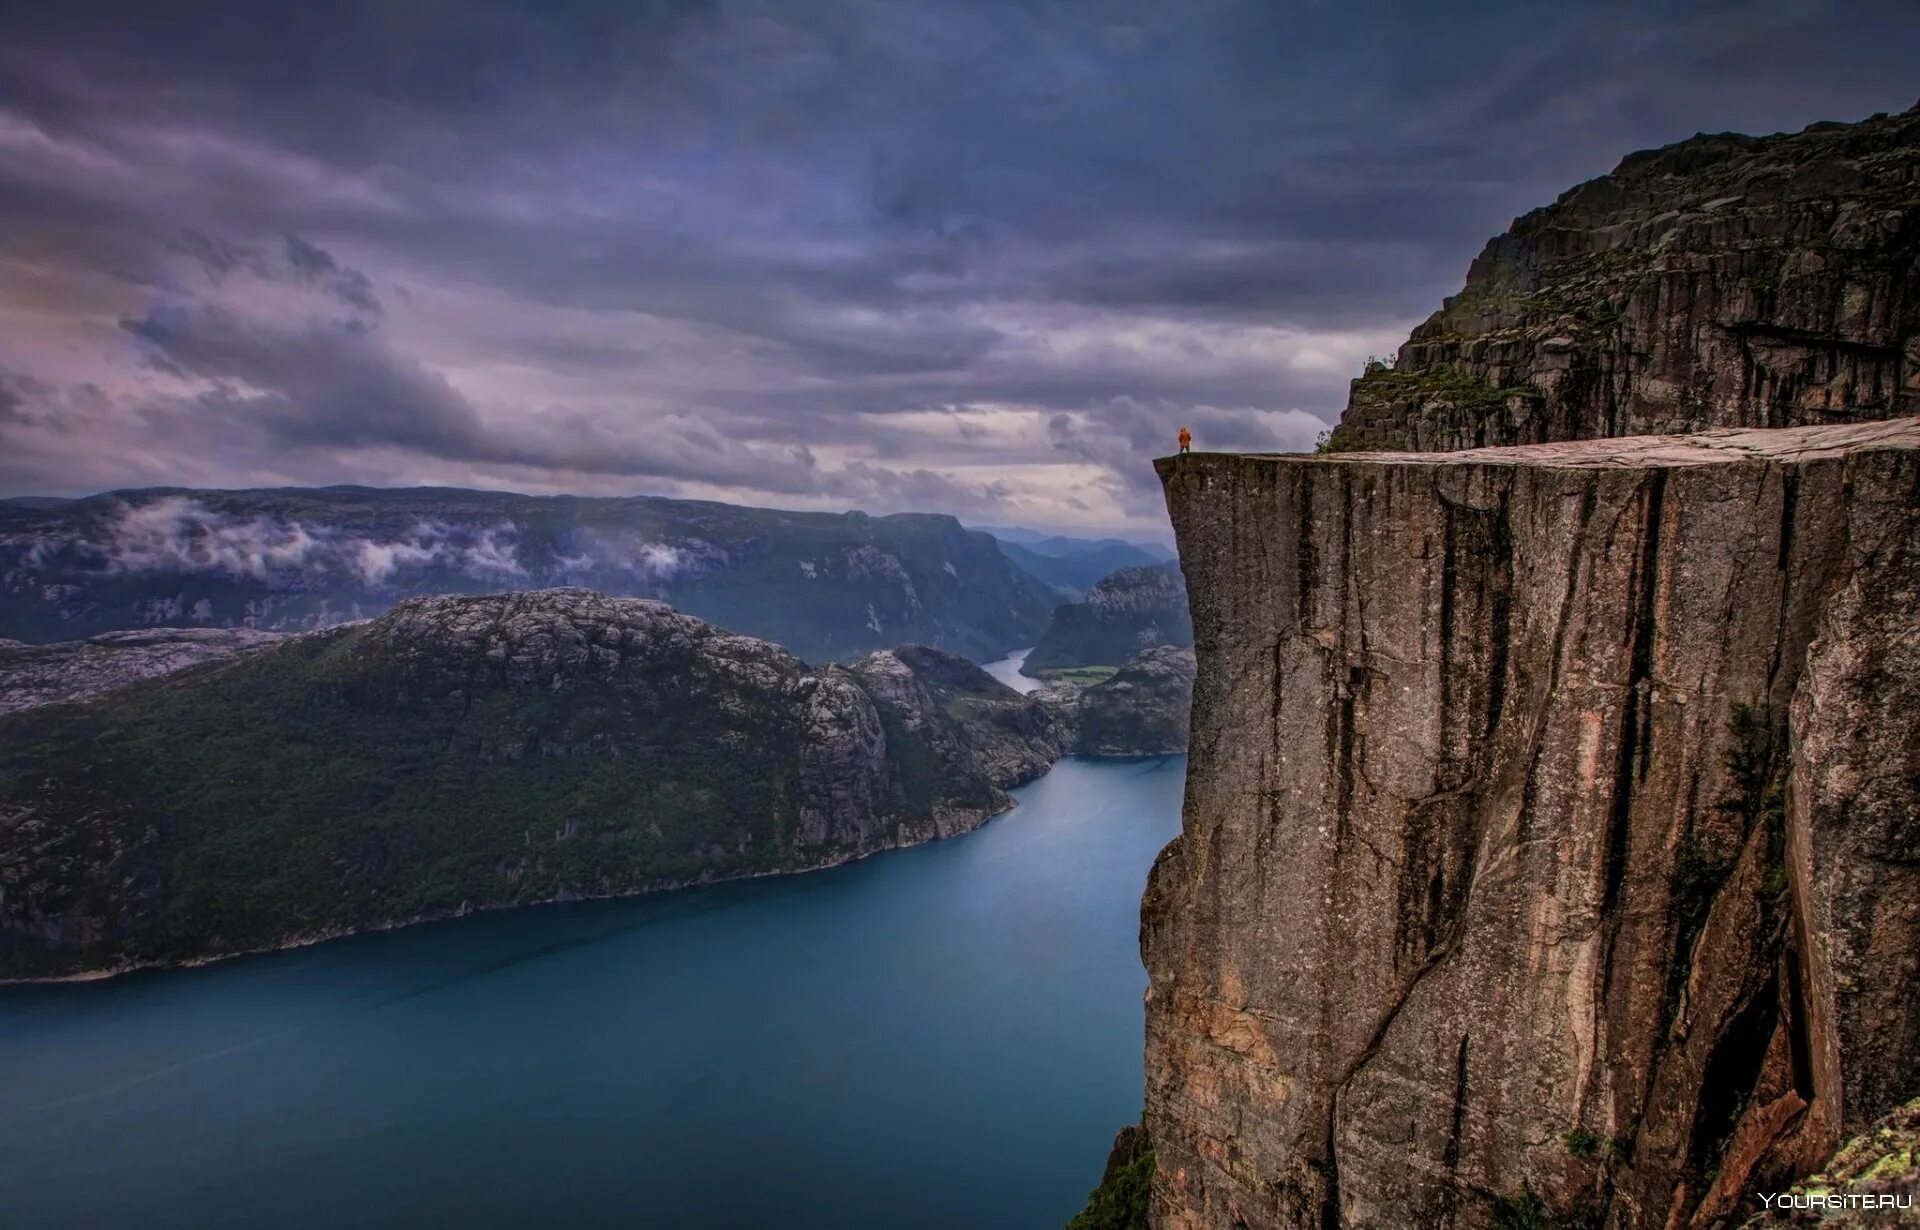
(1550, 843)
(1723, 281)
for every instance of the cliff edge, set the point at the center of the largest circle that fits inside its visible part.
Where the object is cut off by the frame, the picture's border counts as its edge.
(1550, 851)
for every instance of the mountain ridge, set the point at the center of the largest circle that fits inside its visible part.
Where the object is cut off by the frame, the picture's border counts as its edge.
(1722, 281)
(468, 752)
(828, 585)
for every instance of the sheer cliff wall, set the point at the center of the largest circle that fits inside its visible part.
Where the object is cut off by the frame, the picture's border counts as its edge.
(1550, 843)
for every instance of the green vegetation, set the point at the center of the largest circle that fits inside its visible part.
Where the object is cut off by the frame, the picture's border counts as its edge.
(1758, 768)
(1120, 1202)
(294, 792)
(1583, 1142)
(381, 773)
(1523, 1212)
(1393, 385)
(1081, 676)
(1338, 440)
(1527, 1211)
(1142, 710)
(1696, 877)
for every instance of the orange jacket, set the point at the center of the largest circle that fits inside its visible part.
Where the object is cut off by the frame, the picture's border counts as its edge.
(1186, 437)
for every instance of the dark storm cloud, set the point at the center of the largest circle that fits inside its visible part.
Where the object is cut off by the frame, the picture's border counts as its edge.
(961, 254)
(336, 384)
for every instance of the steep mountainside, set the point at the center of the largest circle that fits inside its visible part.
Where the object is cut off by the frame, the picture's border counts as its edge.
(1141, 710)
(33, 675)
(467, 752)
(1131, 610)
(1723, 281)
(825, 585)
(1550, 854)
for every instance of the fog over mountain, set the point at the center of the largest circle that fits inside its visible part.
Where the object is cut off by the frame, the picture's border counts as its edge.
(965, 258)
(825, 585)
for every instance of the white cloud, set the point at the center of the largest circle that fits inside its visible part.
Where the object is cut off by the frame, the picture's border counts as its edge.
(182, 534)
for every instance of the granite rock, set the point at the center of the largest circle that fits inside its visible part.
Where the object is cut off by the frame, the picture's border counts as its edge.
(70, 670)
(1725, 281)
(1550, 851)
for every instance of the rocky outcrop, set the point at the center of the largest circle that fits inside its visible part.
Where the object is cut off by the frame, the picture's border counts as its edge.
(464, 753)
(69, 670)
(963, 721)
(1724, 281)
(1141, 710)
(1873, 1181)
(1550, 851)
(1120, 1201)
(1129, 610)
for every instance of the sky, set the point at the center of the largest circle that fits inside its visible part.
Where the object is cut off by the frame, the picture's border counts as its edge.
(981, 257)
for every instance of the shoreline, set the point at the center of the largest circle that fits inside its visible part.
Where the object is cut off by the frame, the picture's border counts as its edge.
(372, 928)
(464, 910)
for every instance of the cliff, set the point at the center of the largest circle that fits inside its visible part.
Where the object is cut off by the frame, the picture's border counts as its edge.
(1128, 610)
(1549, 853)
(1724, 281)
(829, 586)
(464, 753)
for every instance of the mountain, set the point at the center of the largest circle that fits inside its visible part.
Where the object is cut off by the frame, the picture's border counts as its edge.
(1139, 710)
(1130, 610)
(470, 752)
(1060, 546)
(829, 586)
(32, 675)
(1045, 543)
(1726, 281)
(1075, 571)
(1549, 854)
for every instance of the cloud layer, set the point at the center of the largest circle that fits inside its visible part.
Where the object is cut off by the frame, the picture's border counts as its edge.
(982, 258)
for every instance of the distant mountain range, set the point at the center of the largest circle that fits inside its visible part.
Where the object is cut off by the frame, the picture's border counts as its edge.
(1133, 609)
(1073, 565)
(1075, 573)
(1045, 543)
(828, 586)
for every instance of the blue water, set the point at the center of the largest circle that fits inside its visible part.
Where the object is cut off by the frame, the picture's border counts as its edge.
(946, 1036)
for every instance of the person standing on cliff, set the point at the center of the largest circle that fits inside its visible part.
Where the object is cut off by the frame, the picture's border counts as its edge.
(1186, 439)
